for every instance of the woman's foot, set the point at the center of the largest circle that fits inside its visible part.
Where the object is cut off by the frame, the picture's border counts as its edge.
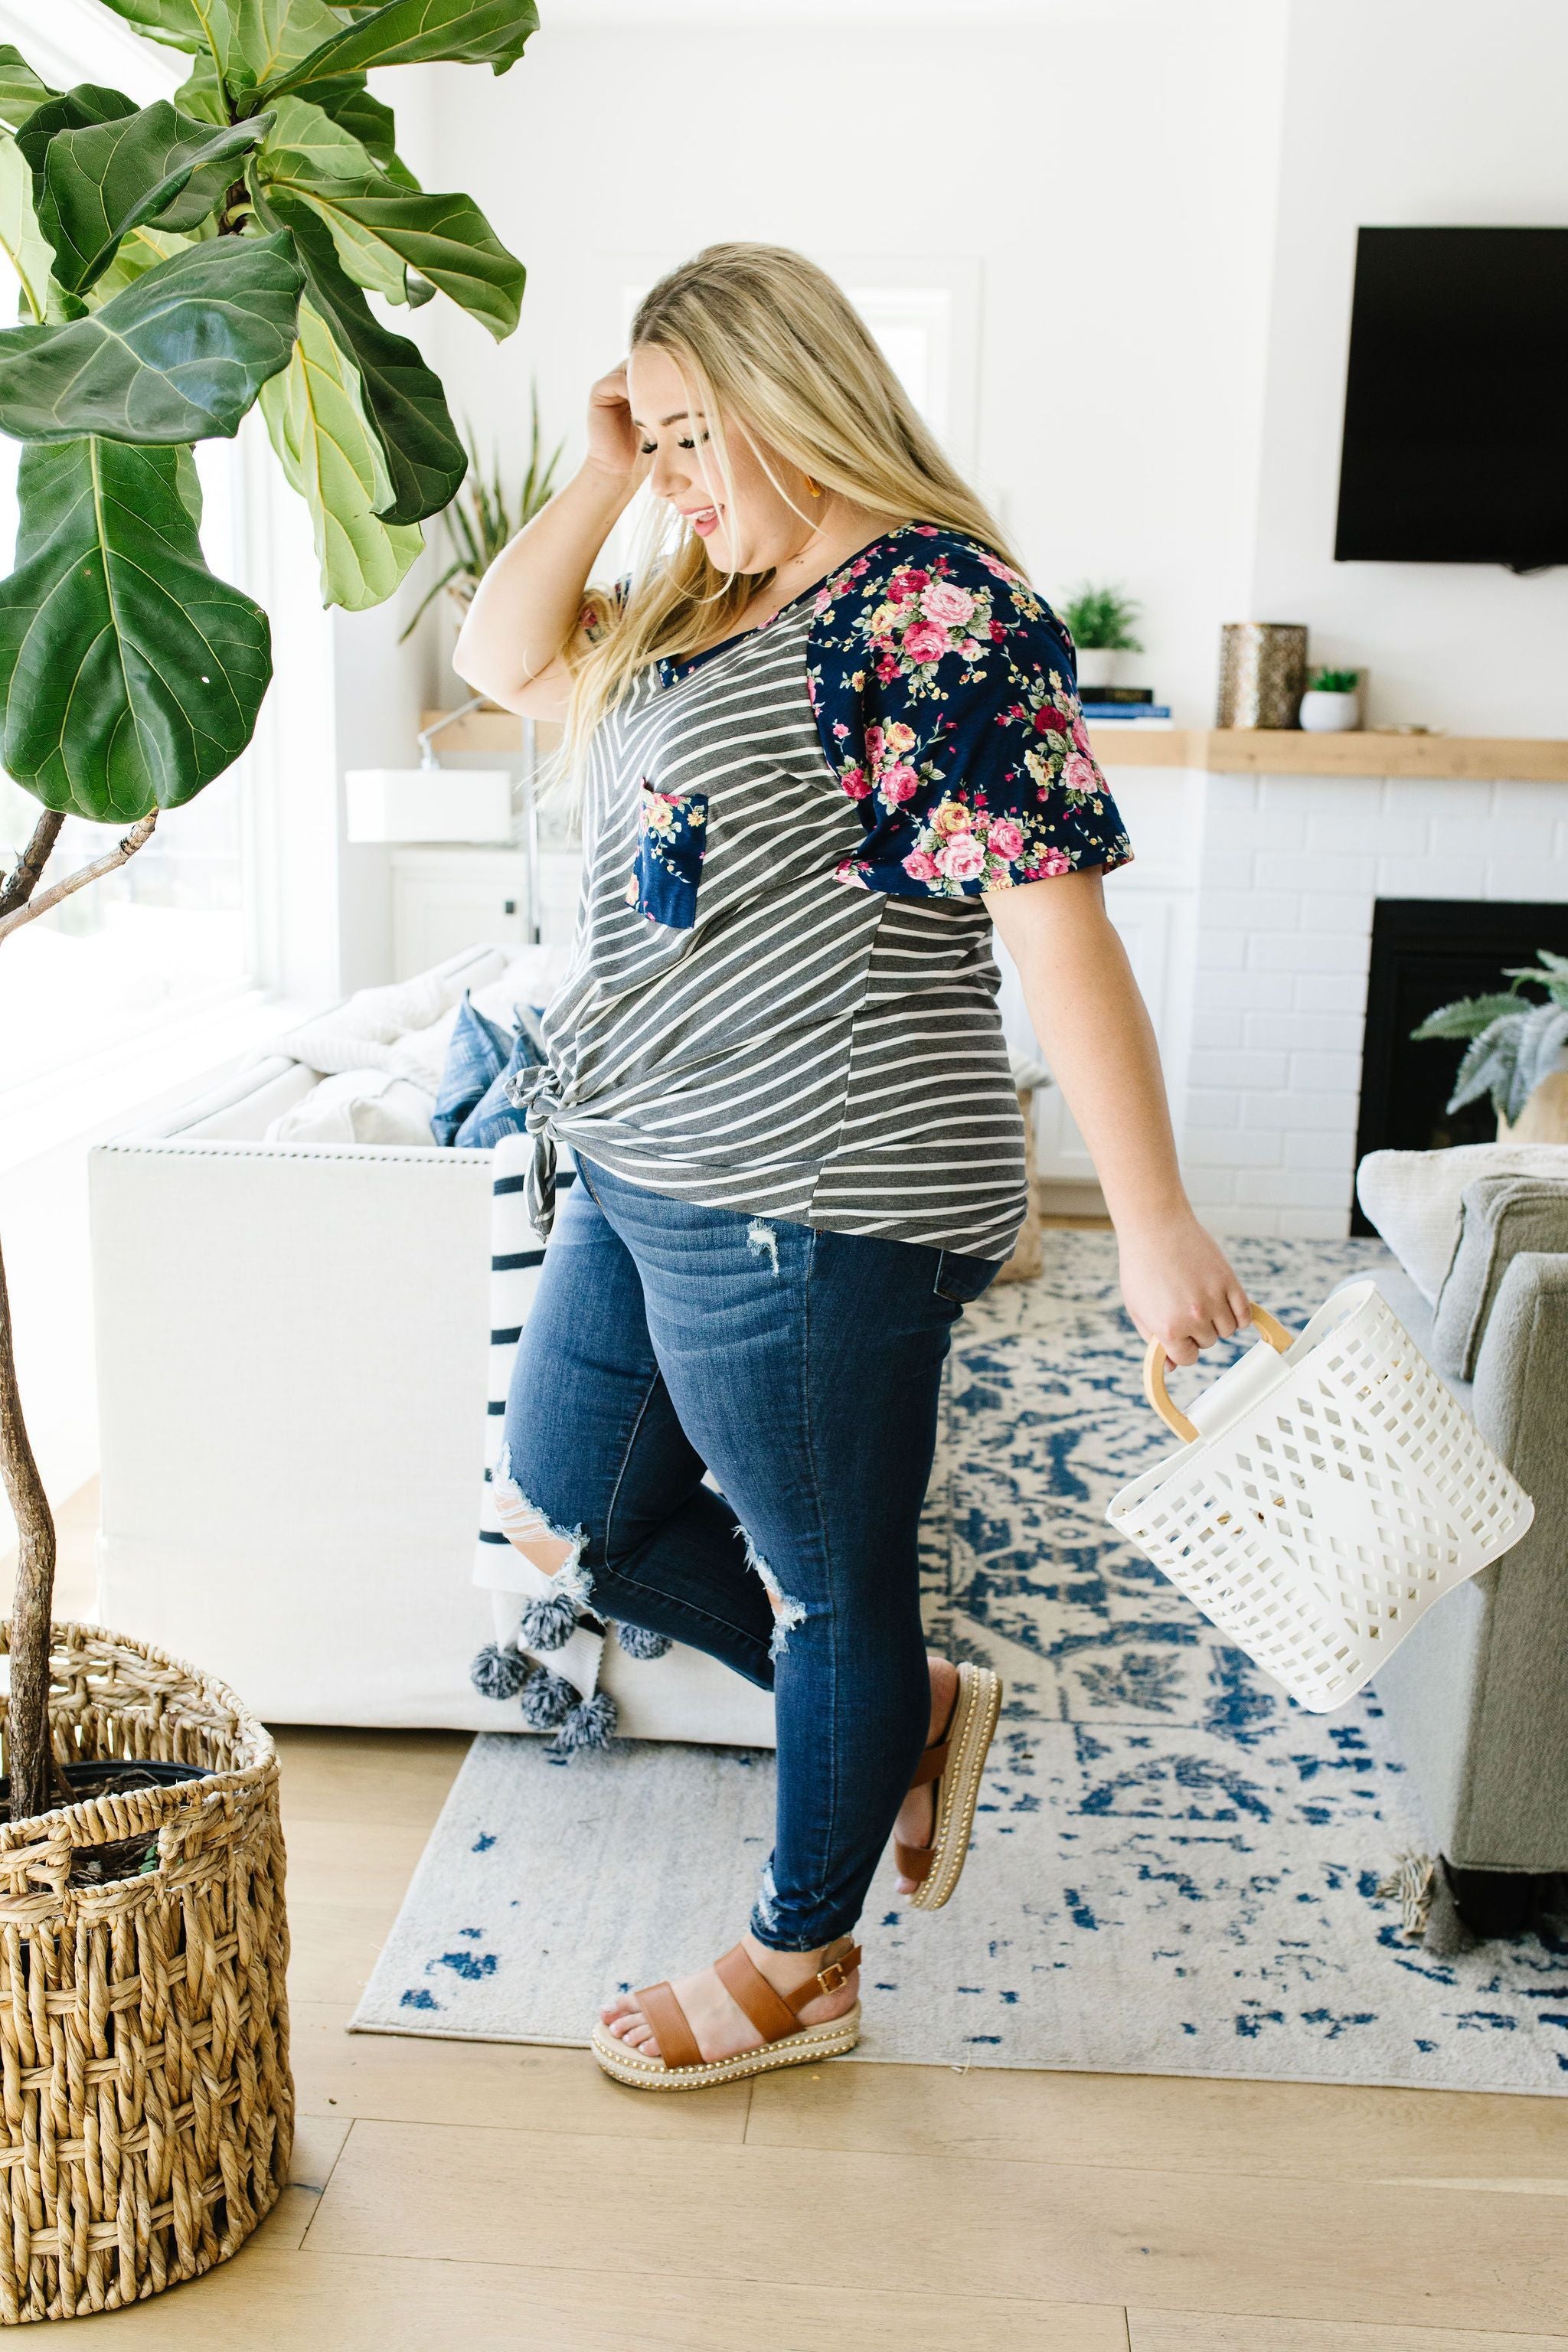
(721, 2027)
(917, 1814)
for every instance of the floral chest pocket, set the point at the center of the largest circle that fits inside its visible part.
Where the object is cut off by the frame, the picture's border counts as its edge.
(672, 833)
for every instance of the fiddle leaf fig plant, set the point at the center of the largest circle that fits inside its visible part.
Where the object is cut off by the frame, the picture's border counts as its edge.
(180, 264)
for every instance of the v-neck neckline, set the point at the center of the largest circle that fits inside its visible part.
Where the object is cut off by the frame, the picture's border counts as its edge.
(672, 673)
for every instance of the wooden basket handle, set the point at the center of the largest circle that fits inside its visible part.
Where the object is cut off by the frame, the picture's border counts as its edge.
(1155, 1360)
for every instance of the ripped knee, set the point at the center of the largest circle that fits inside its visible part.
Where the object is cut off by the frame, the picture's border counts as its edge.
(555, 1552)
(788, 1612)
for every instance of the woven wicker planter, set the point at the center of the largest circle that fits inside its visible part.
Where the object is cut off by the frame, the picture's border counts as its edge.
(143, 2024)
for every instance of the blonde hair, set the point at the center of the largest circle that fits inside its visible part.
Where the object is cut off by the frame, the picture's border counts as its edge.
(765, 340)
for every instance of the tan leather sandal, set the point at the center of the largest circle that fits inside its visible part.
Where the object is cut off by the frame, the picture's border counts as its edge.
(680, 2066)
(955, 1763)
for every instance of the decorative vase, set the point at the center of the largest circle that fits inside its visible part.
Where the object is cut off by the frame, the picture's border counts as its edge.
(1545, 1118)
(1262, 673)
(1095, 667)
(1330, 714)
(144, 2022)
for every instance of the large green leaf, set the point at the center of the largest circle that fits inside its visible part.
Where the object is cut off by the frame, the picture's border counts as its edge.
(325, 147)
(143, 250)
(381, 232)
(153, 165)
(245, 41)
(73, 109)
(21, 92)
(353, 109)
(329, 452)
(202, 92)
(183, 24)
(418, 32)
(402, 397)
(271, 36)
(130, 677)
(27, 249)
(178, 356)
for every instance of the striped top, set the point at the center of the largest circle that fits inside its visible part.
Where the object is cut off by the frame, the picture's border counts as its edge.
(781, 996)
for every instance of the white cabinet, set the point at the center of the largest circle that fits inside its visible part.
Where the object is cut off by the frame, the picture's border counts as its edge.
(443, 900)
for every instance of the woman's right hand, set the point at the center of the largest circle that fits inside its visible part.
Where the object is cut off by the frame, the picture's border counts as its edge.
(615, 445)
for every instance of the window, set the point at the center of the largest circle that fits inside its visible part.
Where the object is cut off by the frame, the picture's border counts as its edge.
(168, 932)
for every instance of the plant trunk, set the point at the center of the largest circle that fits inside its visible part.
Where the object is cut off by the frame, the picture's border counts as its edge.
(28, 1755)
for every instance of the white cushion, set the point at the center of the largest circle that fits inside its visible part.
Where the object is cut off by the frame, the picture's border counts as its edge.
(366, 1032)
(1414, 1199)
(532, 978)
(358, 1106)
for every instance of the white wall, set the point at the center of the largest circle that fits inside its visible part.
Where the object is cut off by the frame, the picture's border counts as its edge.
(1110, 167)
(1400, 114)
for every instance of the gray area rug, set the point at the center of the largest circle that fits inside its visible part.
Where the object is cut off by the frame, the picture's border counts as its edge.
(1174, 1868)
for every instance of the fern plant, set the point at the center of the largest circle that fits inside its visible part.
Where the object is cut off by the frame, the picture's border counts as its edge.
(482, 519)
(1101, 620)
(1514, 1042)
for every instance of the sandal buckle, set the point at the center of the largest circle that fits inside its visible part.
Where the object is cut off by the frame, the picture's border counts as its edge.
(833, 1976)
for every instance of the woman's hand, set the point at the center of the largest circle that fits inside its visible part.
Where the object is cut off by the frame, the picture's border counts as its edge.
(1179, 1286)
(615, 445)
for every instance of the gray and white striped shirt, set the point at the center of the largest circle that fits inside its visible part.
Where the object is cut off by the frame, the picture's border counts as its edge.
(738, 1025)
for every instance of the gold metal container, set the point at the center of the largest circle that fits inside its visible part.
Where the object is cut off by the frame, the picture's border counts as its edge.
(1262, 673)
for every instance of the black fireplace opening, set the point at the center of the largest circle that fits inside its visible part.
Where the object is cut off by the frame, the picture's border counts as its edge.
(1426, 952)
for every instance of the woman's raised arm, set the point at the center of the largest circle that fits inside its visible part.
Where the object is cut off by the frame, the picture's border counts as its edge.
(528, 606)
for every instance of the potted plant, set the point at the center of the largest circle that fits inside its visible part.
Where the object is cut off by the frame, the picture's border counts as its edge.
(1517, 1053)
(1331, 704)
(1101, 621)
(178, 263)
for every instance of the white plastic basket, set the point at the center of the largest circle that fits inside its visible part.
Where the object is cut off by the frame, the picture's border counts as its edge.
(1326, 1495)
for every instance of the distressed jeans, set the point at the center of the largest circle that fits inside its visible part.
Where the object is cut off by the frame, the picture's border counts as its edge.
(802, 1370)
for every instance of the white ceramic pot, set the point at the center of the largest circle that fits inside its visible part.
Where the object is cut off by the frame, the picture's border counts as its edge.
(1095, 667)
(1330, 714)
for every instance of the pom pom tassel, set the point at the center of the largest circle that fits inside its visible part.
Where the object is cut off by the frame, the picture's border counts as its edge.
(547, 1700)
(499, 1673)
(547, 1623)
(590, 1725)
(638, 1641)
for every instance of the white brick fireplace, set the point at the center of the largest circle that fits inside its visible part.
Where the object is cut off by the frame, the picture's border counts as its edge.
(1249, 916)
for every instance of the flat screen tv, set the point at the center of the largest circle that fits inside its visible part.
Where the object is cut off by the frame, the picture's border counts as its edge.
(1455, 440)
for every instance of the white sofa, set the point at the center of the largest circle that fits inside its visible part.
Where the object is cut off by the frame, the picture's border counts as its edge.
(292, 1362)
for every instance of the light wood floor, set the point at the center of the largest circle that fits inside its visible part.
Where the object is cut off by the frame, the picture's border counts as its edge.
(456, 2196)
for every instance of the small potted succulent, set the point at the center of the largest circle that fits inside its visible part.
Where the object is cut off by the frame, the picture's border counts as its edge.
(1517, 1051)
(1101, 621)
(1331, 704)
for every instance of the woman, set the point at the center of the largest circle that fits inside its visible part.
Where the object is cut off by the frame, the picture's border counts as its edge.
(827, 738)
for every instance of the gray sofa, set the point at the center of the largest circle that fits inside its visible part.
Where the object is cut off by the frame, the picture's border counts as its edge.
(1477, 1697)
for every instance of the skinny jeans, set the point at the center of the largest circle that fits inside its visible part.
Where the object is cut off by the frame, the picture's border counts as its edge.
(801, 1370)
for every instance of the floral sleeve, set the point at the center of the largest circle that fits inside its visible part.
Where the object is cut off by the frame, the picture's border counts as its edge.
(944, 689)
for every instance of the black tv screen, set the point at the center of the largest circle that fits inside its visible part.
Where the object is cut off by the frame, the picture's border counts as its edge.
(1456, 441)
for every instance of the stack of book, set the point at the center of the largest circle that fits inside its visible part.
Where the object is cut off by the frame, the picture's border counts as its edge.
(1123, 705)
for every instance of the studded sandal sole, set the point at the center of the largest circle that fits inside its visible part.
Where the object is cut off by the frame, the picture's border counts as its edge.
(787, 2044)
(962, 1755)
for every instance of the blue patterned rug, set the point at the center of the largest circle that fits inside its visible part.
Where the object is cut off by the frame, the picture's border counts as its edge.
(1175, 1867)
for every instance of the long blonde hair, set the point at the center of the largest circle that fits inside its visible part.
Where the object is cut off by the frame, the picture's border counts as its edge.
(764, 339)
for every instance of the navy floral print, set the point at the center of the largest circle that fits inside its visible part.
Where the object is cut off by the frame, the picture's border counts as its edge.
(944, 689)
(672, 831)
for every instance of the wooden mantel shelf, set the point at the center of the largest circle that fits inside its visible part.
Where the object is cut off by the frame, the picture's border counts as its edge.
(1218, 750)
(1288, 751)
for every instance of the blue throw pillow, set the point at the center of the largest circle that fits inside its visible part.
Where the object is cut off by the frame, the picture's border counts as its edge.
(495, 1114)
(478, 1052)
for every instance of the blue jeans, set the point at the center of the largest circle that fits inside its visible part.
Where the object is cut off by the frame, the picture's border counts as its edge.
(802, 1368)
